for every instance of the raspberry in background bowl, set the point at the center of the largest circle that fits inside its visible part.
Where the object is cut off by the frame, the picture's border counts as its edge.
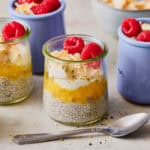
(36, 7)
(43, 27)
(133, 71)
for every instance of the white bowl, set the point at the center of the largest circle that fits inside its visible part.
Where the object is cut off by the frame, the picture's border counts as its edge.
(110, 18)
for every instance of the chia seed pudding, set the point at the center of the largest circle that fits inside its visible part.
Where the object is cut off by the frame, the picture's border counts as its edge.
(15, 62)
(75, 91)
(12, 91)
(73, 113)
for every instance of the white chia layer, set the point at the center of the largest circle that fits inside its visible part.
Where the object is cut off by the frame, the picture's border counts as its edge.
(12, 90)
(73, 112)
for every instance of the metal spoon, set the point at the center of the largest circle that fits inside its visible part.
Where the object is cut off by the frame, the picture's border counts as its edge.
(119, 128)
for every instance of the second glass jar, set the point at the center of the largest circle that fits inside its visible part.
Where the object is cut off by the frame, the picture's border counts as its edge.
(15, 67)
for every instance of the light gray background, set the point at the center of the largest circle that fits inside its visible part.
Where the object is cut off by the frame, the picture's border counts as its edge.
(29, 117)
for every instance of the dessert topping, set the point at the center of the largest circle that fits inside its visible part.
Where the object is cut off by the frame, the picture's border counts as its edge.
(91, 50)
(73, 45)
(13, 30)
(28, 1)
(73, 71)
(129, 4)
(76, 45)
(144, 36)
(131, 27)
(45, 6)
(136, 30)
(24, 1)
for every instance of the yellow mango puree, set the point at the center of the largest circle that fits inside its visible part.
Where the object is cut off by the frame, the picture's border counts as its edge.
(84, 94)
(13, 71)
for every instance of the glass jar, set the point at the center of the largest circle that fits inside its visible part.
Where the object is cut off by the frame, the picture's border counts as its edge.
(15, 67)
(75, 93)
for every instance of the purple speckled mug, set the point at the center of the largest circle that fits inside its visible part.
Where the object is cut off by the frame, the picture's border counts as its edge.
(133, 69)
(43, 27)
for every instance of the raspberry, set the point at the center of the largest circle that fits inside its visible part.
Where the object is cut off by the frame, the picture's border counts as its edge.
(40, 9)
(46, 6)
(24, 1)
(95, 64)
(73, 45)
(13, 30)
(37, 1)
(55, 4)
(131, 27)
(28, 1)
(92, 50)
(144, 36)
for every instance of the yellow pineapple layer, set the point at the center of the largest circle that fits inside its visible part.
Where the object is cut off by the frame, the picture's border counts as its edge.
(85, 94)
(13, 71)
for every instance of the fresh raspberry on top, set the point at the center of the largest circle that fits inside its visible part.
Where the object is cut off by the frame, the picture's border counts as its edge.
(144, 36)
(46, 6)
(92, 50)
(131, 27)
(55, 4)
(24, 1)
(37, 1)
(40, 9)
(73, 44)
(13, 30)
(28, 1)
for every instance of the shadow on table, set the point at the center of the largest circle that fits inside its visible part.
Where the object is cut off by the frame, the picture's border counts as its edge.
(143, 133)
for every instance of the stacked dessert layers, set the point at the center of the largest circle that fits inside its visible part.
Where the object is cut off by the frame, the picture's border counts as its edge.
(75, 91)
(15, 63)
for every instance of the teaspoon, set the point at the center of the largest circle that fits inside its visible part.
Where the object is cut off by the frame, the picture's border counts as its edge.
(121, 127)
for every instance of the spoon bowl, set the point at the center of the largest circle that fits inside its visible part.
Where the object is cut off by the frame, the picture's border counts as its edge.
(128, 124)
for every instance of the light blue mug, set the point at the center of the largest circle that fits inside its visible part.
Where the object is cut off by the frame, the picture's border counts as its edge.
(133, 69)
(43, 27)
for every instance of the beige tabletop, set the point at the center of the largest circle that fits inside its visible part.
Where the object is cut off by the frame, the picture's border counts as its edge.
(29, 116)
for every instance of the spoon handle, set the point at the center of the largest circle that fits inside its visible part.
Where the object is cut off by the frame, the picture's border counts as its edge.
(45, 137)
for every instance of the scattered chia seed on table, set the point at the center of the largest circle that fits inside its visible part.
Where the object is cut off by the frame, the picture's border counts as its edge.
(90, 144)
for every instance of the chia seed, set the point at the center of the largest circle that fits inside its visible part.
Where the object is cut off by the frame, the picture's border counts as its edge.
(13, 90)
(90, 144)
(111, 117)
(74, 113)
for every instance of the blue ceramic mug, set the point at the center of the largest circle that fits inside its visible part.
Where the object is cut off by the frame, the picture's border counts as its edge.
(43, 27)
(133, 69)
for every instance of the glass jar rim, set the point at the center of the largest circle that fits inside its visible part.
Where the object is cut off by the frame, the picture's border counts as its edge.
(86, 37)
(25, 36)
